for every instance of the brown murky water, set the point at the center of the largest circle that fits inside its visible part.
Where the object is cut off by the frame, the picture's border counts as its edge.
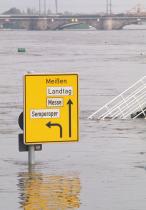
(106, 169)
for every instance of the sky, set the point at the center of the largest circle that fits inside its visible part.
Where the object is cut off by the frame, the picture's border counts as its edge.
(77, 6)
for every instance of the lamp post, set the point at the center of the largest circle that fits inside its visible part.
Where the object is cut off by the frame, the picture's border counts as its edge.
(39, 7)
(45, 7)
(108, 7)
(56, 6)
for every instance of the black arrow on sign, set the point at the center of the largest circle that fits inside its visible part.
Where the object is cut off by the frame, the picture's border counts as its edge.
(49, 125)
(70, 103)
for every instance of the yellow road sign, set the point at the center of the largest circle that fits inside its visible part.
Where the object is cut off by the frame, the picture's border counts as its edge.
(51, 110)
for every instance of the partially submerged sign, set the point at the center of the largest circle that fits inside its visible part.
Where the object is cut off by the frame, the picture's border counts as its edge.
(51, 108)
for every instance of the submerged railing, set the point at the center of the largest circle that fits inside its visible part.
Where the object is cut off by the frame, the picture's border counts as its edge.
(130, 103)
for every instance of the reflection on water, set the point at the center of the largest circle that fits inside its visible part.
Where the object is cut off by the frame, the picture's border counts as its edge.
(43, 192)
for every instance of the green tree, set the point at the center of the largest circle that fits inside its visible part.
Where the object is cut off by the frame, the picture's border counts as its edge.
(12, 11)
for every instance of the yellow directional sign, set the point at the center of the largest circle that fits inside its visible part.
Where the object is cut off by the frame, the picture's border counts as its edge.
(51, 110)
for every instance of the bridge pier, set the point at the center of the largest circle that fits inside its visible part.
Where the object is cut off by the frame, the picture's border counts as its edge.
(107, 24)
(111, 23)
(38, 24)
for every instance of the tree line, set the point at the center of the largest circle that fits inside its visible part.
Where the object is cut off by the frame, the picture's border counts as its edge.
(29, 11)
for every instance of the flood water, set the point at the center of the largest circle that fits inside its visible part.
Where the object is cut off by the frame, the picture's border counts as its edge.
(106, 169)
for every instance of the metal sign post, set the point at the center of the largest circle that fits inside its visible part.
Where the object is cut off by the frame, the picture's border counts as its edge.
(27, 148)
(31, 154)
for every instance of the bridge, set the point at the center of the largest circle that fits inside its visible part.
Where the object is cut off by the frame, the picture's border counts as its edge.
(59, 22)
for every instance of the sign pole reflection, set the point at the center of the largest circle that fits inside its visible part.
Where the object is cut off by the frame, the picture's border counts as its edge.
(47, 192)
